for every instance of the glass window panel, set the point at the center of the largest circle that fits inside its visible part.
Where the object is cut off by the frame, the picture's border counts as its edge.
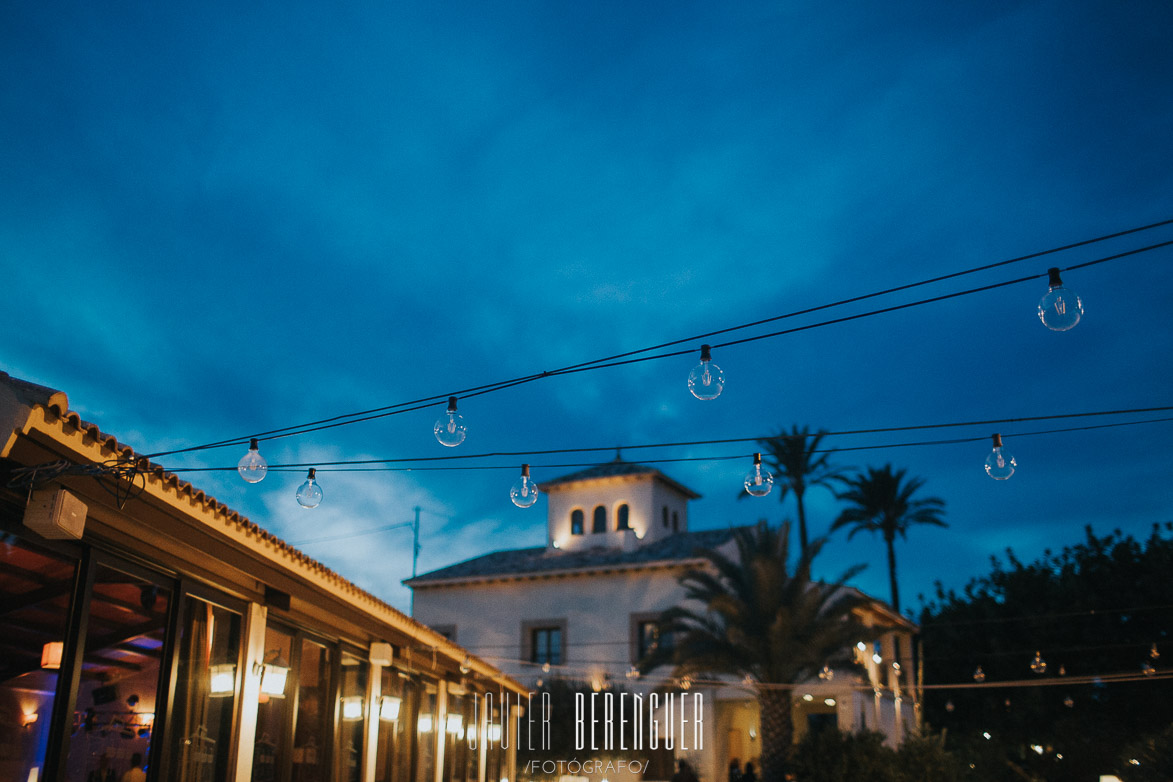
(273, 711)
(600, 520)
(624, 517)
(576, 521)
(352, 709)
(35, 589)
(116, 699)
(426, 731)
(397, 725)
(455, 746)
(311, 733)
(207, 683)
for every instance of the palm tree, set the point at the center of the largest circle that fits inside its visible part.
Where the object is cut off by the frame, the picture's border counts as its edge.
(794, 459)
(881, 501)
(758, 621)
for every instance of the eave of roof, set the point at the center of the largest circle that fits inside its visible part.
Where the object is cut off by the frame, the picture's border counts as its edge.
(46, 411)
(615, 469)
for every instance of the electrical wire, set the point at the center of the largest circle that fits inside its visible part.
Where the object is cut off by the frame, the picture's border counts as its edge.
(383, 464)
(623, 359)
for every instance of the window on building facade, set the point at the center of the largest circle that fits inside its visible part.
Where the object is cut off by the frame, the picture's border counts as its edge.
(546, 645)
(600, 523)
(577, 518)
(206, 687)
(648, 638)
(623, 515)
(675, 521)
(665, 516)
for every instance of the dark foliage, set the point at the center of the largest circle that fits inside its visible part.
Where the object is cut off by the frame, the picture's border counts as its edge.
(1092, 610)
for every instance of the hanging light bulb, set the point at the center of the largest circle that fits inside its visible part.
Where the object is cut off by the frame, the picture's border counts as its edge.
(466, 665)
(685, 683)
(545, 667)
(309, 494)
(450, 429)
(706, 379)
(999, 464)
(979, 675)
(747, 681)
(949, 707)
(539, 683)
(252, 466)
(1153, 653)
(1069, 702)
(524, 492)
(826, 674)
(1061, 308)
(1147, 668)
(1062, 669)
(758, 482)
(1038, 664)
(633, 672)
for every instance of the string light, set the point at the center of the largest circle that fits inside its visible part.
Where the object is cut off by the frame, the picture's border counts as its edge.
(524, 492)
(1038, 664)
(1154, 654)
(615, 360)
(309, 494)
(450, 428)
(999, 464)
(1069, 702)
(758, 483)
(252, 466)
(979, 675)
(1061, 308)
(706, 380)
(1147, 668)
(949, 707)
(826, 674)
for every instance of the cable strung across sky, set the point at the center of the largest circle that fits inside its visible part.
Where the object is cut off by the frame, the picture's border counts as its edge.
(638, 355)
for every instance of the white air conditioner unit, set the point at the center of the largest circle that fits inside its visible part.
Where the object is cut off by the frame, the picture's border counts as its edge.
(55, 513)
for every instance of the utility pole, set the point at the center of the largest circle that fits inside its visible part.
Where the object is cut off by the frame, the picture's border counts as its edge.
(415, 552)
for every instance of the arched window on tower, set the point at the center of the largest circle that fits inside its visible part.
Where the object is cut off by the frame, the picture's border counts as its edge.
(622, 515)
(600, 523)
(576, 521)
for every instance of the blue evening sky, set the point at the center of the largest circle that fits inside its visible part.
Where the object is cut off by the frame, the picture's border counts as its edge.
(222, 218)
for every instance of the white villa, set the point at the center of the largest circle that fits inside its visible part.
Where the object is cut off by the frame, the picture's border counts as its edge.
(583, 607)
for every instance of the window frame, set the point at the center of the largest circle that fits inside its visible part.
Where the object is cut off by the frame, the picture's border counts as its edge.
(579, 515)
(623, 517)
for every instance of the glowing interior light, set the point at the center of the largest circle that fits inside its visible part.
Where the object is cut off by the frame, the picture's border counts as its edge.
(389, 708)
(222, 680)
(352, 708)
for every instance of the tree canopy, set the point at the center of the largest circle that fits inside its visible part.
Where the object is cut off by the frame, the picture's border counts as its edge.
(1093, 610)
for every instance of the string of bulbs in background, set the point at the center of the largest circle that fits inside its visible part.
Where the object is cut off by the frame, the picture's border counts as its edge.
(1060, 309)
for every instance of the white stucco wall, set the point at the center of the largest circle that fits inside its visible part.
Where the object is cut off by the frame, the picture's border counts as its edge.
(645, 496)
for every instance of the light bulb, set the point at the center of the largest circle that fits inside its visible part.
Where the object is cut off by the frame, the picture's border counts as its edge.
(466, 666)
(252, 466)
(309, 494)
(545, 667)
(633, 672)
(706, 380)
(524, 492)
(450, 429)
(758, 482)
(979, 675)
(1061, 308)
(1147, 668)
(826, 674)
(1069, 702)
(949, 707)
(685, 683)
(999, 464)
(1038, 664)
(1154, 653)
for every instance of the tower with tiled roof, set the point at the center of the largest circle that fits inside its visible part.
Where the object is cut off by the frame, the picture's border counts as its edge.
(615, 505)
